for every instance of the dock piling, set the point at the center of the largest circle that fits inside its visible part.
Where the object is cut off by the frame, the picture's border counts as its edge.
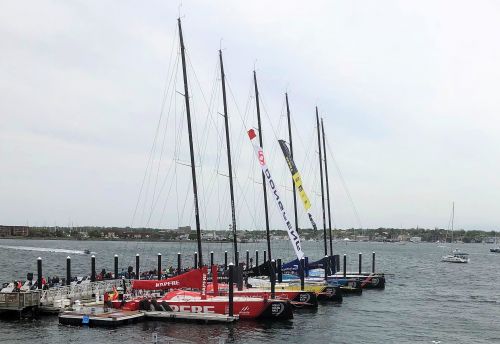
(159, 266)
(280, 272)
(326, 266)
(237, 258)
(196, 260)
(39, 271)
(345, 265)
(306, 264)
(225, 260)
(179, 266)
(272, 277)
(373, 262)
(211, 258)
(360, 259)
(302, 273)
(248, 260)
(137, 267)
(265, 256)
(92, 268)
(116, 266)
(231, 289)
(68, 270)
(257, 260)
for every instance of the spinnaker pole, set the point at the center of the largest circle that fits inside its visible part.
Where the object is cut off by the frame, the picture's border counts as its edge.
(268, 237)
(229, 165)
(327, 189)
(321, 178)
(191, 149)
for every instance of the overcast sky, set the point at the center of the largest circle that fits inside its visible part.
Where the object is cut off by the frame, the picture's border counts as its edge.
(408, 91)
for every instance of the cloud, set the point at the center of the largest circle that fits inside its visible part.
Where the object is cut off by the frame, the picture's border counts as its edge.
(407, 92)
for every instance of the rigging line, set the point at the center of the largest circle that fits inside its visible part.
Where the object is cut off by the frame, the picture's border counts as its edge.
(267, 115)
(178, 138)
(153, 199)
(166, 178)
(344, 184)
(243, 129)
(208, 190)
(173, 45)
(243, 197)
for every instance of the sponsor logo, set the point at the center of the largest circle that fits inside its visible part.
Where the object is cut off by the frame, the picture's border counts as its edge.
(204, 284)
(304, 297)
(277, 308)
(245, 310)
(192, 309)
(375, 281)
(262, 161)
(167, 284)
(291, 232)
(330, 291)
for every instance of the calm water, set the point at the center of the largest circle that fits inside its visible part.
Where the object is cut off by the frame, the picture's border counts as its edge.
(425, 301)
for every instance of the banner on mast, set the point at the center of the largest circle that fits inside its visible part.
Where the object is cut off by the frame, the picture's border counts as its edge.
(297, 181)
(292, 234)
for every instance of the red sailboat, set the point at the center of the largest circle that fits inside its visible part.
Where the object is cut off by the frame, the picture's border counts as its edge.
(177, 300)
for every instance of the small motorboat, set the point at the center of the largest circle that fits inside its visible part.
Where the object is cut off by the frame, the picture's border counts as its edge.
(86, 251)
(456, 257)
(495, 249)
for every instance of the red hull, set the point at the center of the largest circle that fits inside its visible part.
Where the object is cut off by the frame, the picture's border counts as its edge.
(188, 301)
(245, 307)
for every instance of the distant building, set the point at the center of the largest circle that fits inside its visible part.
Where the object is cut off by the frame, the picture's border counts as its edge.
(416, 239)
(184, 229)
(6, 231)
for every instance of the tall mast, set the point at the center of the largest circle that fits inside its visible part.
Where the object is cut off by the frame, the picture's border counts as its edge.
(452, 220)
(191, 150)
(291, 154)
(321, 177)
(263, 177)
(327, 189)
(228, 149)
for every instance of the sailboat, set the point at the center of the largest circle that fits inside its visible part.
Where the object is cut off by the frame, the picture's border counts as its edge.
(495, 249)
(456, 256)
(197, 300)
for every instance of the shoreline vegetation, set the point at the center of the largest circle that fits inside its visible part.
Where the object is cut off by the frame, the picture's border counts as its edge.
(185, 234)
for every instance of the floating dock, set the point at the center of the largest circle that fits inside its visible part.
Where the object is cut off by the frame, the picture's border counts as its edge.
(112, 318)
(193, 317)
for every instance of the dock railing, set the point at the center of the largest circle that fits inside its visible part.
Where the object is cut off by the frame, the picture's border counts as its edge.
(78, 291)
(17, 301)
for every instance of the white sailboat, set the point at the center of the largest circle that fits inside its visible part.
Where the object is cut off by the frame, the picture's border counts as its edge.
(495, 249)
(455, 256)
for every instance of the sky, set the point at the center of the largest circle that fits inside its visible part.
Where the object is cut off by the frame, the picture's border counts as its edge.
(407, 91)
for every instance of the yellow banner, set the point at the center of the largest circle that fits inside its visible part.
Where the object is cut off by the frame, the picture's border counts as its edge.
(298, 184)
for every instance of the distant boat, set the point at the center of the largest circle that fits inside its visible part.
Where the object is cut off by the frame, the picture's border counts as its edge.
(86, 251)
(455, 256)
(497, 248)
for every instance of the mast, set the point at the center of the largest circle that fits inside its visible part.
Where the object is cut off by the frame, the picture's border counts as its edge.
(228, 150)
(291, 154)
(191, 150)
(327, 189)
(263, 177)
(321, 177)
(452, 220)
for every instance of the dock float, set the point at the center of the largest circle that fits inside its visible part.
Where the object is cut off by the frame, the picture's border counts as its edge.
(101, 319)
(193, 317)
